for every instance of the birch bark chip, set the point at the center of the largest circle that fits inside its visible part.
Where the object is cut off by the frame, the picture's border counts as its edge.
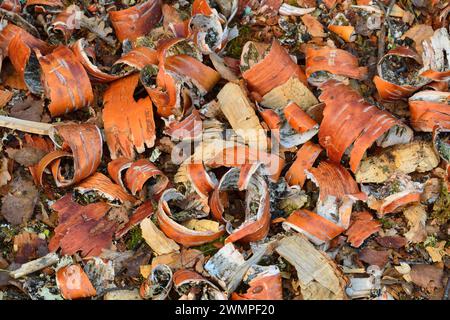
(156, 239)
(240, 114)
(319, 276)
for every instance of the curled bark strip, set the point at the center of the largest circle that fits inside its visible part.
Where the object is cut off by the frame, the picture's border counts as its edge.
(102, 184)
(138, 58)
(271, 70)
(305, 158)
(66, 83)
(441, 144)
(334, 180)
(349, 119)
(338, 192)
(271, 118)
(53, 159)
(172, 21)
(430, 109)
(389, 91)
(11, 5)
(335, 61)
(315, 227)
(166, 94)
(65, 22)
(201, 7)
(257, 218)
(345, 32)
(201, 75)
(178, 232)
(436, 56)
(6, 35)
(265, 284)
(84, 56)
(238, 155)
(48, 3)
(82, 228)
(143, 211)
(136, 21)
(143, 172)
(84, 142)
(22, 45)
(73, 283)
(129, 124)
(361, 228)
(184, 277)
(133, 60)
(158, 284)
(437, 86)
(200, 179)
(188, 128)
(391, 86)
(396, 201)
(247, 171)
(206, 21)
(298, 119)
(117, 168)
(228, 266)
(40, 143)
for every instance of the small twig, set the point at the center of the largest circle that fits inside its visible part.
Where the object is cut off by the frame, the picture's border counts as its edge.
(35, 265)
(381, 39)
(21, 22)
(25, 125)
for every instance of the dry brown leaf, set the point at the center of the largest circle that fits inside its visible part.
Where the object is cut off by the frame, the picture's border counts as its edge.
(427, 276)
(29, 109)
(417, 218)
(26, 156)
(18, 204)
(418, 33)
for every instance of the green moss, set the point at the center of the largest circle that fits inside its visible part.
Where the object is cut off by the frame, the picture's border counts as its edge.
(234, 47)
(395, 187)
(135, 238)
(386, 223)
(210, 248)
(430, 241)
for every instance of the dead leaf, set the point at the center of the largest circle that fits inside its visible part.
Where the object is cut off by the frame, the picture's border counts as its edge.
(417, 217)
(26, 156)
(374, 257)
(29, 109)
(28, 246)
(437, 252)
(394, 242)
(418, 33)
(18, 204)
(427, 276)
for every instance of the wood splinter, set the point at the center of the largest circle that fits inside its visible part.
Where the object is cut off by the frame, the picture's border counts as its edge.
(25, 125)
